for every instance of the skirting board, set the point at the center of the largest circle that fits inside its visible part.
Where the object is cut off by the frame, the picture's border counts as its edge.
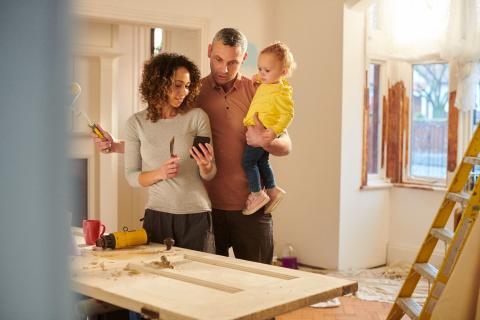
(400, 252)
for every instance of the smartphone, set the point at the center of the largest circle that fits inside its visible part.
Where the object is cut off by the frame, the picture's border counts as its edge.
(199, 139)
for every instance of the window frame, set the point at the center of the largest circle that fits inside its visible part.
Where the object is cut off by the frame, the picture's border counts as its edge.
(407, 177)
(375, 178)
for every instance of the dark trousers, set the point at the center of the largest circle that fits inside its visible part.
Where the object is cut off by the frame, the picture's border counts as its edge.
(256, 165)
(188, 230)
(251, 237)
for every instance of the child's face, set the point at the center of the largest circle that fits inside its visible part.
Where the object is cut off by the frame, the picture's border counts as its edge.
(270, 69)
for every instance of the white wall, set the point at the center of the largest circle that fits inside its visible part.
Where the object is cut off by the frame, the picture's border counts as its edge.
(308, 218)
(411, 215)
(363, 213)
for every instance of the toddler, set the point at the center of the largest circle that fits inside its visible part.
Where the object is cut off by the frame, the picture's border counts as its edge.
(274, 105)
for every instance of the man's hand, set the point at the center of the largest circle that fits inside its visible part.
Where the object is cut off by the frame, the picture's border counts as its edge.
(256, 135)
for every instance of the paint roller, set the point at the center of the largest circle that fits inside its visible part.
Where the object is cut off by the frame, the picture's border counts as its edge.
(75, 91)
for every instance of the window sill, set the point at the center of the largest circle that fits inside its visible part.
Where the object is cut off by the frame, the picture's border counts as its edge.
(425, 187)
(377, 185)
(385, 184)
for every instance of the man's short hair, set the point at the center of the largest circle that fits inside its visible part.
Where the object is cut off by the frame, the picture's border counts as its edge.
(232, 37)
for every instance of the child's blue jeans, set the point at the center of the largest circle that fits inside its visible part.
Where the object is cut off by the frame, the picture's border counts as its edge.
(256, 166)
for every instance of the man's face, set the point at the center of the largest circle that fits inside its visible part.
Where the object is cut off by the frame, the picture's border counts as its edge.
(225, 61)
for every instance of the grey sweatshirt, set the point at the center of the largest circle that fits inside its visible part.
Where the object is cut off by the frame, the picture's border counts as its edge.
(147, 146)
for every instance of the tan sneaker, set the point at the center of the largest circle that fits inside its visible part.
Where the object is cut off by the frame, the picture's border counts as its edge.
(276, 195)
(255, 201)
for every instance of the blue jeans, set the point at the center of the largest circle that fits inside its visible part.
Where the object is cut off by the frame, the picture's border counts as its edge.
(256, 165)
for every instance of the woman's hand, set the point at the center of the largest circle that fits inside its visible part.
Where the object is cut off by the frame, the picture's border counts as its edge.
(107, 143)
(168, 169)
(205, 160)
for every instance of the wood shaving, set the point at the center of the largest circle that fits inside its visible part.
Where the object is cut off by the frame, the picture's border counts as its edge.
(164, 263)
(131, 272)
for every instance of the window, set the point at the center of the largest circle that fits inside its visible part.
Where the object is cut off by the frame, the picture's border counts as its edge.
(476, 111)
(373, 133)
(156, 41)
(429, 122)
(475, 173)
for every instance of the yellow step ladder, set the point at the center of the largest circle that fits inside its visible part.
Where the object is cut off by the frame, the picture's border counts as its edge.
(404, 304)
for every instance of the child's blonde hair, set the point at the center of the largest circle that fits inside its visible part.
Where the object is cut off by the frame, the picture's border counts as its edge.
(284, 55)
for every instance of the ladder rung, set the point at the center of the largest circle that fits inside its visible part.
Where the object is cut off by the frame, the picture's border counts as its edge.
(410, 307)
(472, 160)
(461, 197)
(426, 270)
(442, 234)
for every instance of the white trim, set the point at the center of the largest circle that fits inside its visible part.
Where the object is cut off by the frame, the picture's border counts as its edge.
(377, 184)
(141, 53)
(91, 51)
(153, 16)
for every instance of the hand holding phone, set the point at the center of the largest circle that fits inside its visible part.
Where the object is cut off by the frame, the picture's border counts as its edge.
(199, 140)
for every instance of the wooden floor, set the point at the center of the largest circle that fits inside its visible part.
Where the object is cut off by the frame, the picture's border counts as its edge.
(351, 308)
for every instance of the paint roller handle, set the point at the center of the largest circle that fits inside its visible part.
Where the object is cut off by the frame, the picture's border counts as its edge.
(104, 141)
(100, 135)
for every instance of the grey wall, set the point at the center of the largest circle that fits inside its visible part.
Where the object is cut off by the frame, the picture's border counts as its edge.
(33, 188)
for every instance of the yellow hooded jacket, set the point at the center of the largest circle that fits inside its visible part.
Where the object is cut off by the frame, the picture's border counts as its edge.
(274, 105)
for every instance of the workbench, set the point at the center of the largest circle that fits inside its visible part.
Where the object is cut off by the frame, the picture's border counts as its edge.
(187, 284)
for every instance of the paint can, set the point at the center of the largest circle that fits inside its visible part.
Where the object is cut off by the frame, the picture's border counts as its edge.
(288, 258)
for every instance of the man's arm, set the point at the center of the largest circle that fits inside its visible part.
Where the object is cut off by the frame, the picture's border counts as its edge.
(257, 136)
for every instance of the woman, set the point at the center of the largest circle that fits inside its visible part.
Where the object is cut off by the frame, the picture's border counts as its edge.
(158, 146)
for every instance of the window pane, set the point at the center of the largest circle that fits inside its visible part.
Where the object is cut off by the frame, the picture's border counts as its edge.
(157, 40)
(429, 121)
(475, 173)
(373, 117)
(476, 111)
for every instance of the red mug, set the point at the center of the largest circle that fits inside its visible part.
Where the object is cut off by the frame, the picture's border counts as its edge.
(92, 230)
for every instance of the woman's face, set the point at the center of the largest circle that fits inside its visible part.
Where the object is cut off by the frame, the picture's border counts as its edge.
(180, 87)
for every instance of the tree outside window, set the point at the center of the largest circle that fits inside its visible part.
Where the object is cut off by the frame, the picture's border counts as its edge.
(429, 121)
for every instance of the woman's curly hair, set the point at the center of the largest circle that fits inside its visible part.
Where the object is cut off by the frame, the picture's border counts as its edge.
(157, 81)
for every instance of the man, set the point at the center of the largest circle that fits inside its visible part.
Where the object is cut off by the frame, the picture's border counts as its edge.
(225, 96)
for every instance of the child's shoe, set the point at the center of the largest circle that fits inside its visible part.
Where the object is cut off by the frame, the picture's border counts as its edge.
(276, 195)
(255, 201)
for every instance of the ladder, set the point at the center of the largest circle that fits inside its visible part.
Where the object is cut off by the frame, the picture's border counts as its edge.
(404, 304)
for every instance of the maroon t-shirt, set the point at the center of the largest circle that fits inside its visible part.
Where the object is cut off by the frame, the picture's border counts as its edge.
(226, 110)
